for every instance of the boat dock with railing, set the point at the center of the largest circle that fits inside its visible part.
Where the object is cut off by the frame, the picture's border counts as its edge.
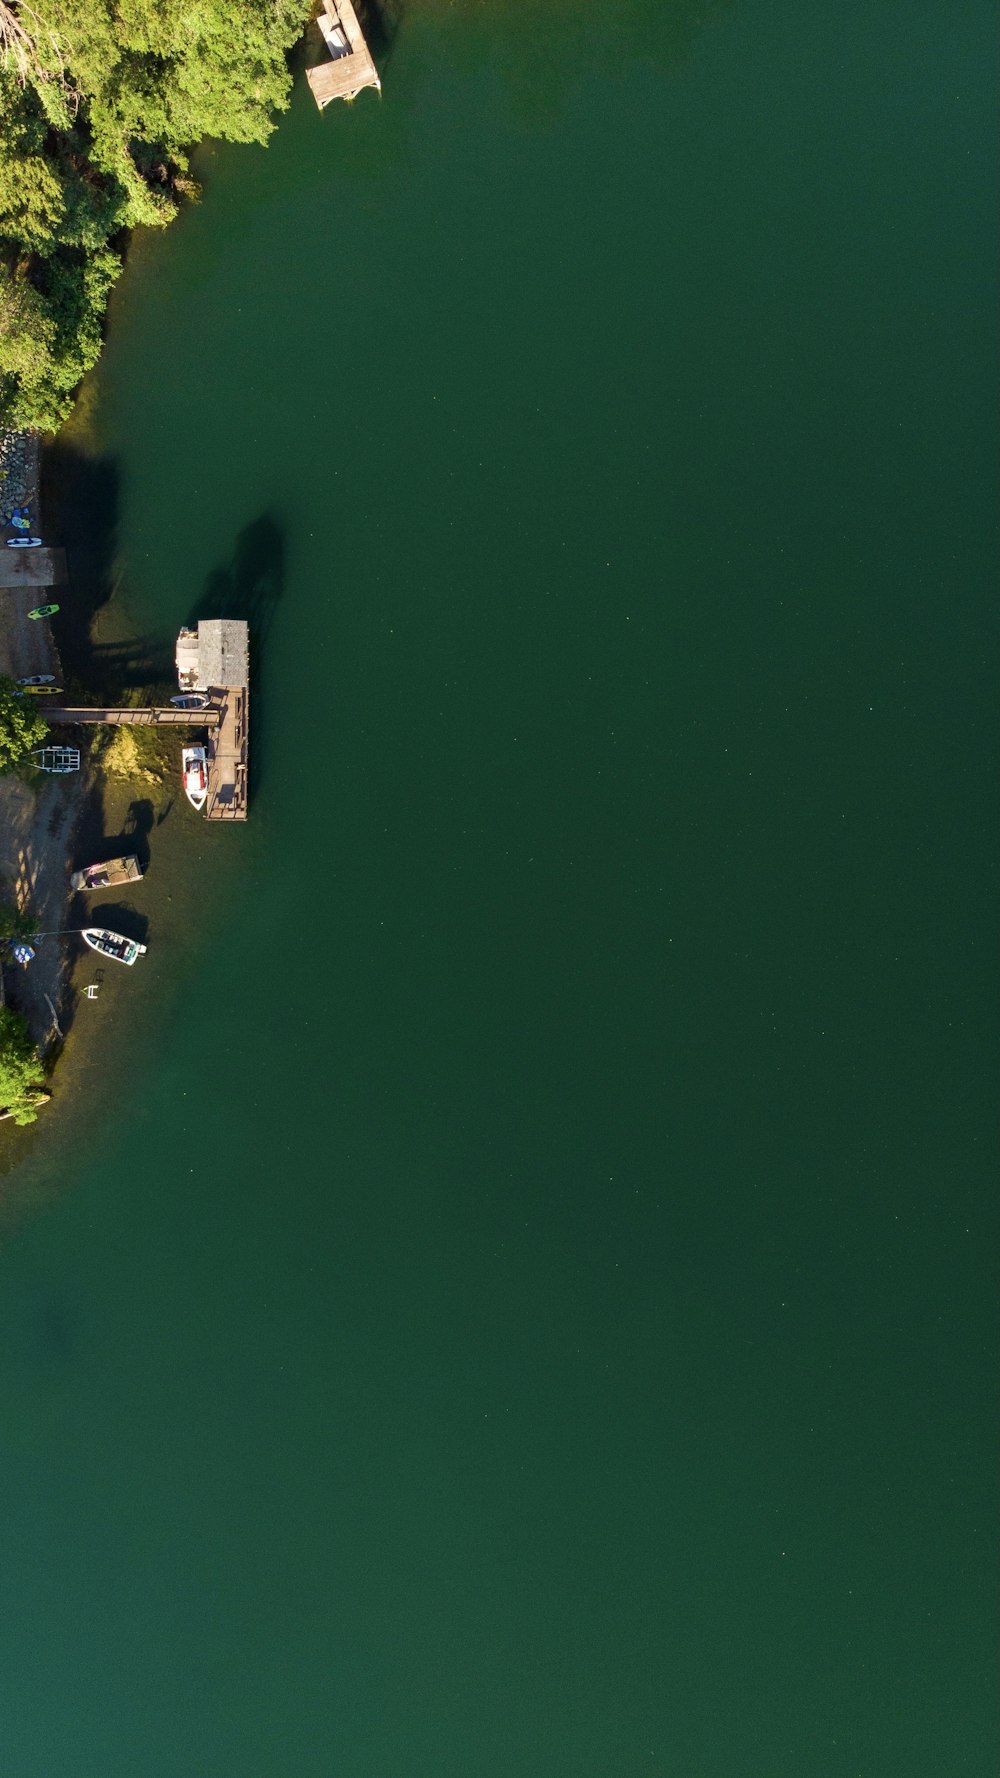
(213, 659)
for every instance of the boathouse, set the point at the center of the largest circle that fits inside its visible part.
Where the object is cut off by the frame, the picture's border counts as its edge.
(348, 67)
(215, 658)
(215, 654)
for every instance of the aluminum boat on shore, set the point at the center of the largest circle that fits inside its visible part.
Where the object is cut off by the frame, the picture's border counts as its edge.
(112, 944)
(108, 875)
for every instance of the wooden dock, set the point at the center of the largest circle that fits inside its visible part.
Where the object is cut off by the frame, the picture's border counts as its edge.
(218, 649)
(141, 717)
(32, 568)
(229, 755)
(228, 746)
(348, 68)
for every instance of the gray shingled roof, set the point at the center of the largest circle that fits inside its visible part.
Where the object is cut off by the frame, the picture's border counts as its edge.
(223, 652)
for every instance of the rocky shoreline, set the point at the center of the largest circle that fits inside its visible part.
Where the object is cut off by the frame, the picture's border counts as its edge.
(19, 454)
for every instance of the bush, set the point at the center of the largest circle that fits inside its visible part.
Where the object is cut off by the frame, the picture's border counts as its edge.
(22, 1076)
(22, 725)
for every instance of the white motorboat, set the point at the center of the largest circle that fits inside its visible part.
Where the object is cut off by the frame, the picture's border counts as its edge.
(112, 944)
(194, 765)
(191, 700)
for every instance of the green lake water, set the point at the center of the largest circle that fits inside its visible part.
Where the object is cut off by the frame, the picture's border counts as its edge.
(513, 1295)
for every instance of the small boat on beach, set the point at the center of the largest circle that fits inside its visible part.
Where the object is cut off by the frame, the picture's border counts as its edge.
(112, 944)
(107, 876)
(191, 700)
(194, 765)
(38, 679)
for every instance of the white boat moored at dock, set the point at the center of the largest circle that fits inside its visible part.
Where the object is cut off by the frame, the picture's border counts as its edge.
(194, 765)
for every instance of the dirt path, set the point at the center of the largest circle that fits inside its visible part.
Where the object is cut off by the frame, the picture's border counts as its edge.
(36, 819)
(36, 831)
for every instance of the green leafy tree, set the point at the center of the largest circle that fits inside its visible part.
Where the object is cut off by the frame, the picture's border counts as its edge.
(22, 725)
(22, 1076)
(99, 107)
(16, 924)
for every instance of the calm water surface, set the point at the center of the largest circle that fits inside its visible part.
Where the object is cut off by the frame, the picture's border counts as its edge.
(521, 1309)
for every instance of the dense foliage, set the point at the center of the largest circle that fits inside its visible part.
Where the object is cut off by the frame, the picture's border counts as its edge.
(22, 1076)
(22, 725)
(99, 105)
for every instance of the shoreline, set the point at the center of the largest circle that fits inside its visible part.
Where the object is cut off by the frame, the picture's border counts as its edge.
(38, 817)
(48, 824)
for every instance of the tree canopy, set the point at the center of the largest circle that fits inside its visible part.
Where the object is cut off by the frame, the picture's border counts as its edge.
(22, 1076)
(22, 725)
(99, 107)
(16, 924)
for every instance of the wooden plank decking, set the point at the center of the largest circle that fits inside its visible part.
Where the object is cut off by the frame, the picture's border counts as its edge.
(229, 756)
(346, 75)
(226, 717)
(71, 714)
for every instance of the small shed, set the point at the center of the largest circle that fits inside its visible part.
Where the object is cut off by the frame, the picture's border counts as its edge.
(348, 68)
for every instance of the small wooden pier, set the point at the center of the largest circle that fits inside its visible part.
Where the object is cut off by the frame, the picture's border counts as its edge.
(32, 568)
(349, 67)
(143, 717)
(228, 756)
(214, 659)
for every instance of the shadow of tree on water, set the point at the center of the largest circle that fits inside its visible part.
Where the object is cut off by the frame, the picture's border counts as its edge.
(93, 845)
(251, 587)
(380, 20)
(81, 502)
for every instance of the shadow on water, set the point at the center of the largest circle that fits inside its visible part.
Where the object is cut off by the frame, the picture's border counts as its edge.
(93, 845)
(81, 500)
(380, 20)
(250, 587)
(117, 916)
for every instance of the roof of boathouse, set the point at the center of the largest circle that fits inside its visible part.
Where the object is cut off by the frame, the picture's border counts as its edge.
(223, 652)
(216, 654)
(348, 67)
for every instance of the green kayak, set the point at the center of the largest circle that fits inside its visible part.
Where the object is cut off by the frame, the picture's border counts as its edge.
(44, 611)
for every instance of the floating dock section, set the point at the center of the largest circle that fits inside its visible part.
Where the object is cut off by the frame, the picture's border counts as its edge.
(349, 67)
(129, 716)
(215, 659)
(32, 568)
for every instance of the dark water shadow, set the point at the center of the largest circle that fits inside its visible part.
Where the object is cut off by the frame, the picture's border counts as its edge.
(251, 587)
(117, 916)
(81, 502)
(380, 21)
(93, 845)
